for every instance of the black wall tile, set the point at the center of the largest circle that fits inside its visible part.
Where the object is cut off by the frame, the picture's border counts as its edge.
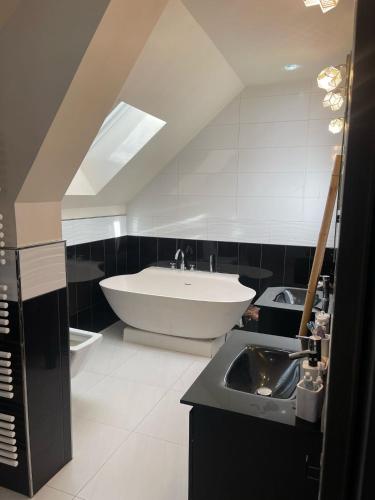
(97, 254)
(120, 246)
(227, 259)
(132, 255)
(65, 370)
(166, 251)
(110, 257)
(272, 266)
(297, 266)
(249, 265)
(328, 266)
(84, 319)
(73, 320)
(102, 316)
(81, 277)
(259, 266)
(204, 250)
(189, 247)
(148, 251)
(47, 365)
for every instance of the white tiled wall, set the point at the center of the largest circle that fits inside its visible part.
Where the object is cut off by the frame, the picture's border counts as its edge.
(259, 172)
(76, 231)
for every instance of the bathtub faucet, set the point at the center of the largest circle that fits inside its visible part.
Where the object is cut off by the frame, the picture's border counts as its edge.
(179, 251)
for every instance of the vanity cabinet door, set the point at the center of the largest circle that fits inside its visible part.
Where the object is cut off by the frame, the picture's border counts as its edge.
(238, 457)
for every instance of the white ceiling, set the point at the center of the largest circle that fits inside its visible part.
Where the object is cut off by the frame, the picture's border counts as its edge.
(258, 37)
(199, 56)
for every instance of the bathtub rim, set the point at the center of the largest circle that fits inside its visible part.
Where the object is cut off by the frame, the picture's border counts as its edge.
(234, 278)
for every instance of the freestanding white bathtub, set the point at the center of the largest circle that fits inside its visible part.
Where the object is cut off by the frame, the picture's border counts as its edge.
(189, 304)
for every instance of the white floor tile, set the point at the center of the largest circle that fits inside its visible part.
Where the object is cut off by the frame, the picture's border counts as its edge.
(118, 402)
(169, 420)
(190, 375)
(109, 356)
(143, 468)
(155, 367)
(83, 382)
(93, 444)
(45, 493)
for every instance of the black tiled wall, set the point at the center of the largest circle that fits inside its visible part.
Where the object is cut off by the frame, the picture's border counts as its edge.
(258, 265)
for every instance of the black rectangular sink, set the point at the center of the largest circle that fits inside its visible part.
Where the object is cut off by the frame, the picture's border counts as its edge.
(264, 371)
(294, 296)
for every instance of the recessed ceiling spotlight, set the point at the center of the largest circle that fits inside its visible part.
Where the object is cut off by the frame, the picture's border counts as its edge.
(325, 5)
(291, 67)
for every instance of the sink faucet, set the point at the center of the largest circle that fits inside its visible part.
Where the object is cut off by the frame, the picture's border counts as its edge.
(313, 353)
(179, 251)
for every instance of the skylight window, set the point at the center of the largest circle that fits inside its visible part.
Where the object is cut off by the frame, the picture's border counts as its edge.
(124, 132)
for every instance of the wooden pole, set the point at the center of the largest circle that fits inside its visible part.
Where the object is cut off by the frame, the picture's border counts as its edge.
(321, 246)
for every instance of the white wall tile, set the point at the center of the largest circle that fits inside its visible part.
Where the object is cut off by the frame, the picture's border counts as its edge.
(145, 205)
(76, 231)
(314, 209)
(317, 184)
(216, 137)
(319, 135)
(276, 209)
(207, 206)
(273, 184)
(273, 134)
(238, 230)
(164, 183)
(180, 227)
(208, 161)
(208, 185)
(272, 159)
(258, 172)
(140, 225)
(317, 111)
(275, 108)
(321, 158)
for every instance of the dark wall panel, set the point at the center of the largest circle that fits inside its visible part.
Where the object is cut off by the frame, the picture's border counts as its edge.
(259, 267)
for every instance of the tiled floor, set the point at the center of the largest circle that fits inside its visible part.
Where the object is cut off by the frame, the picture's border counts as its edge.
(130, 433)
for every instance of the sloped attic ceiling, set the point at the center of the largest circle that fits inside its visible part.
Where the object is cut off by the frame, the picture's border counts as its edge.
(181, 78)
(199, 56)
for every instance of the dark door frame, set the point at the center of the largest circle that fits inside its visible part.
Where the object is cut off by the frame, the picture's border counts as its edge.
(350, 417)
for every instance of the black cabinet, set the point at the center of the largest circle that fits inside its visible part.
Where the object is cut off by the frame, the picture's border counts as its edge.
(234, 457)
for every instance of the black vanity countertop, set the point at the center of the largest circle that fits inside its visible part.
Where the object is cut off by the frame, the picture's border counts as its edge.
(209, 390)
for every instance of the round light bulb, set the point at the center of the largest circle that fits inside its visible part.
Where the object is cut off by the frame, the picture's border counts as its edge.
(329, 78)
(336, 125)
(333, 100)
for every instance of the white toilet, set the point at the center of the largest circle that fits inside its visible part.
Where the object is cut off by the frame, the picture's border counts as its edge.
(82, 345)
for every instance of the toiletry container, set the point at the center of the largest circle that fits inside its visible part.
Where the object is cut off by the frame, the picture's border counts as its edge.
(309, 401)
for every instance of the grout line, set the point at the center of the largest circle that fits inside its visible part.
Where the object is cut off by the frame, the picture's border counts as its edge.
(106, 461)
(156, 438)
